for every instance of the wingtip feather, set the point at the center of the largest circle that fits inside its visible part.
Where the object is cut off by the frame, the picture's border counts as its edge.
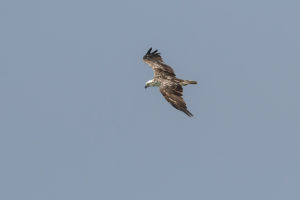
(188, 113)
(149, 51)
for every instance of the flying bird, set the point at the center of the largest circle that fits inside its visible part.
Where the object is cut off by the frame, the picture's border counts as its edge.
(164, 77)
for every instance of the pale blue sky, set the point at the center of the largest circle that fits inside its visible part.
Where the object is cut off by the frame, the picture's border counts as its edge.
(77, 123)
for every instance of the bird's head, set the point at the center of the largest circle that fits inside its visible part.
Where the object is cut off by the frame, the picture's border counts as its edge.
(152, 83)
(148, 83)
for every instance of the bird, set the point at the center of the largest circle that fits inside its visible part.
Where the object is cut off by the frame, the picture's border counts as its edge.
(164, 77)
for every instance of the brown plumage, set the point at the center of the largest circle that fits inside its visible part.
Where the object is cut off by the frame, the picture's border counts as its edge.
(164, 77)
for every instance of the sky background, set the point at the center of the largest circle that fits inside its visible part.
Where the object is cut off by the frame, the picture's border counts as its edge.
(76, 122)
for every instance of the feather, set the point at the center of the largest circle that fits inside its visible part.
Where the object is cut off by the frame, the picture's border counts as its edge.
(173, 94)
(149, 51)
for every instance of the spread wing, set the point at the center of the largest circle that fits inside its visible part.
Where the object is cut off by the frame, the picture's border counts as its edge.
(155, 61)
(173, 94)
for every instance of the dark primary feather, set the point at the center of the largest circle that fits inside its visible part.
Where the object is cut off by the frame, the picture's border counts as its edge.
(149, 51)
(155, 61)
(173, 94)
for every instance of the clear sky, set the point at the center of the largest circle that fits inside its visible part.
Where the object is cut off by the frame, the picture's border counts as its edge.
(76, 122)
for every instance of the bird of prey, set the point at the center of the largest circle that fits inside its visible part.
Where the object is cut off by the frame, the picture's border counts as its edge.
(164, 77)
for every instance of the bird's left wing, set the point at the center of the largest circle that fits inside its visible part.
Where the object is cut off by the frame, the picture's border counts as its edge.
(173, 94)
(155, 61)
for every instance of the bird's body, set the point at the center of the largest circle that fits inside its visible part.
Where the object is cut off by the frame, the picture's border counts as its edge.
(165, 78)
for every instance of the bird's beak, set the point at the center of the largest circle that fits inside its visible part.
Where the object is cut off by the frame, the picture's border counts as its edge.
(146, 86)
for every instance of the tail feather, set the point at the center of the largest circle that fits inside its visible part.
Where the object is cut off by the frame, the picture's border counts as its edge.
(187, 82)
(192, 82)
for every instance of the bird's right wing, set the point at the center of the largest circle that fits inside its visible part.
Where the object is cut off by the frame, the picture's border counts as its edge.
(173, 94)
